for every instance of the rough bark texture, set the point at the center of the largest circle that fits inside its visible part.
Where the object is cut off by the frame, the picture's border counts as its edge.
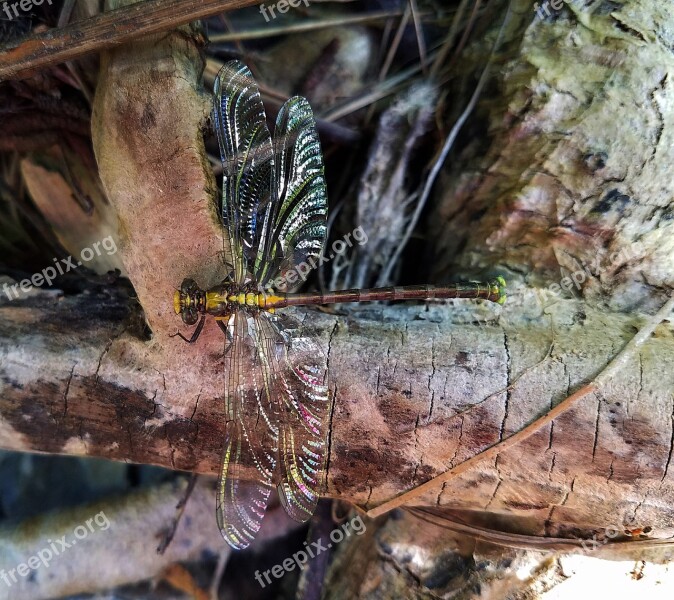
(575, 168)
(416, 390)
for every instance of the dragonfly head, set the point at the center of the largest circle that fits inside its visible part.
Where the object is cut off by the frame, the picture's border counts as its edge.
(188, 301)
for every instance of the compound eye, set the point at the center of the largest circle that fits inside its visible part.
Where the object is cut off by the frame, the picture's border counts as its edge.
(188, 286)
(190, 316)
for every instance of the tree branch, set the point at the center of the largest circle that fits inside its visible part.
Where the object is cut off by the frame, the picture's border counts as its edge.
(417, 391)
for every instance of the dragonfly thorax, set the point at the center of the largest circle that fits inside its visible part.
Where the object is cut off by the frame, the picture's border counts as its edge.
(221, 300)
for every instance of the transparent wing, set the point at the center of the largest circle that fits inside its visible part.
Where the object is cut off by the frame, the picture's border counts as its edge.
(294, 224)
(248, 163)
(304, 409)
(277, 418)
(251, 440)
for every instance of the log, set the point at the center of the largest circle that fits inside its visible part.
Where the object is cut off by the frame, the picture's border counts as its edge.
(572, 176)
(418, 390)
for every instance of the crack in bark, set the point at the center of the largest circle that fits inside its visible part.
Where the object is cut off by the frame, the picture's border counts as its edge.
(661, 126)
(163, 378)
(493, 495)
(596, 430)
(65, 394)
(638, 507)
(671, 441)
(196, 405)
(369, 495)
(332, 404)
(155, 406)
(507, 395)
(105, 351)
(458, 444)
(439, 498)
(568, 492)
(430, 379)
(552, 465)
(194, 412)
(625, 28)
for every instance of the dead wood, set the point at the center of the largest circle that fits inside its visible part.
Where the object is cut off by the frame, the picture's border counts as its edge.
(417, 391)
(572, 177)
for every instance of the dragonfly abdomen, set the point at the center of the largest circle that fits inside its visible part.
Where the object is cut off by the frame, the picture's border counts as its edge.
(493, 291)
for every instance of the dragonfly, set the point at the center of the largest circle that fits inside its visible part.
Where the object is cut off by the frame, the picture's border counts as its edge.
(273, 210)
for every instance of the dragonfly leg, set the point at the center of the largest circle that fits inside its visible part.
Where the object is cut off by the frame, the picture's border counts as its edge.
(195, 334)
(223, 327)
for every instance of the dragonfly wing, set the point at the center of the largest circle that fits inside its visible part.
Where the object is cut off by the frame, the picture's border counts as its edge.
(251, 443)
(295, 223)
(304, 408)
(248, 162)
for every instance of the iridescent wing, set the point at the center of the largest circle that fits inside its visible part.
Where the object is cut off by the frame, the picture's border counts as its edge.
(293, 226)
(251, 439)
(274, 207)
(277, 409)
(304, 408)
(248, 163)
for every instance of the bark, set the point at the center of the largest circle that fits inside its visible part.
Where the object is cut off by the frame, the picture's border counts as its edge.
(415, 558)
(574, 169)
(417, 389)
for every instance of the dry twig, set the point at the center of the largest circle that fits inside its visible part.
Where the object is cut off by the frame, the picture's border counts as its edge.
(105, 31)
